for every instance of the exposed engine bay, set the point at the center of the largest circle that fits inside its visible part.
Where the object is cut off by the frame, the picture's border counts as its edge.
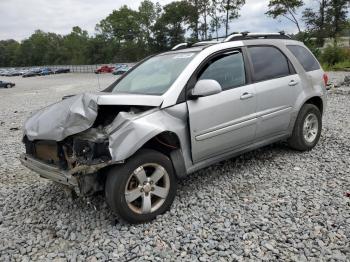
(84, 153)
(90, 147)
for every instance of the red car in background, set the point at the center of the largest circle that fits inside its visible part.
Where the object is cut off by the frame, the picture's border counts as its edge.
(104, 69)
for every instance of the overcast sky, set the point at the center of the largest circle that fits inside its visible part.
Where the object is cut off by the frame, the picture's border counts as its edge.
(20, 18)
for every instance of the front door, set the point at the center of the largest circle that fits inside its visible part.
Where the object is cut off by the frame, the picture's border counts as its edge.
(225, 121)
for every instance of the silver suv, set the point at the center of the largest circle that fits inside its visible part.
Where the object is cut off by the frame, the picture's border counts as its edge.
(175, 113)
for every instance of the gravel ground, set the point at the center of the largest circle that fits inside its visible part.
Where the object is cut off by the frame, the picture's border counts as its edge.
(270, 204)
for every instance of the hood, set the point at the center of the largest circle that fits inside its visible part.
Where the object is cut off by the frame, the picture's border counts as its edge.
(78, 113)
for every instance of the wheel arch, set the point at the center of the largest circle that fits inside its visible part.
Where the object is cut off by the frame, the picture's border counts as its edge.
(317, 101)
(168, 143)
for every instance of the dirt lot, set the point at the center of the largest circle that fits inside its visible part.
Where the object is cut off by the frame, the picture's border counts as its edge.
(270, 204)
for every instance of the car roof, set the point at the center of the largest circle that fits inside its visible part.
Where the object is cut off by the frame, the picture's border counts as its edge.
(247, 42)
(243, 38)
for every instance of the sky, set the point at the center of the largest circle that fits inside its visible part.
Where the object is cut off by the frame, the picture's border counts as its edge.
(20, 18)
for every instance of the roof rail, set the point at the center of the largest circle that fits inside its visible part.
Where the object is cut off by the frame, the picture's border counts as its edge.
(214, 41)
(234, 37)
(247, 35)
(180, 46)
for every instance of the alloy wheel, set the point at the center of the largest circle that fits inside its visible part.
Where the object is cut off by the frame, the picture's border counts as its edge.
(147, 188)
(310, 128)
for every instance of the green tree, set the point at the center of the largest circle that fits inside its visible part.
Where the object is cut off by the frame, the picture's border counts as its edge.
(159, 35)
(176, 15)
(285, 8)
(200, 19)
(122, 27)
(39, 49)
(329, 20)
(75, 46)
(194, 22)
(337, 17)
(231, 9)
(147, 17)
(121, 24)
(315, 21)
(8, 52)
(215, 13)
(101, 50)
(204, 11)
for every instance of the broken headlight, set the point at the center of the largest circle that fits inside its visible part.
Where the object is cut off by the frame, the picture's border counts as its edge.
(87, 152)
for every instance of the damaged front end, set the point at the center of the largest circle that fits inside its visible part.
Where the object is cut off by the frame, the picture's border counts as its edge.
(76, 161)
(69, 142)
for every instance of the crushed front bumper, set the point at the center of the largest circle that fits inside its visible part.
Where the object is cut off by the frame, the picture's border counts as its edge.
(48, 171)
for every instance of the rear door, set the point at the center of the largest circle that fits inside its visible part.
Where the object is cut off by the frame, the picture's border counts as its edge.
(310, 64)
(276, 85)
(222, 122)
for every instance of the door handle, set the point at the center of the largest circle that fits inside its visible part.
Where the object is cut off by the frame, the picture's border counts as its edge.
(246, 96)
(293, 83)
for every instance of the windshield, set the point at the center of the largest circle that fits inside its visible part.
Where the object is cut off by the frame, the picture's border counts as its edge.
(155, 75)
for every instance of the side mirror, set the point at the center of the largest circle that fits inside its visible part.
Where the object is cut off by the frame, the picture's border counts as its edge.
(206, 87)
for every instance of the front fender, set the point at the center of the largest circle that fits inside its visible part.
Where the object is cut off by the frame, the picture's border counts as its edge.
(129, 132)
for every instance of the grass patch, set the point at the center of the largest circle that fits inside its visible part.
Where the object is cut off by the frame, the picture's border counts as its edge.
(340, 66)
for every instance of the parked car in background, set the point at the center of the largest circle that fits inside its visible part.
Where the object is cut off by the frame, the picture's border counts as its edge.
(176, 113)
(14, 72)
(46, 71)
(121, 70)
(117, 66)
(61, 70)
(104, 69)
(23, 71)
(33, 72)
(5, 84)
(11, 72)
(6, 72)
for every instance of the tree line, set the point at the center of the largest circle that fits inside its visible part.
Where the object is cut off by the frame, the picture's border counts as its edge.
(128, 35)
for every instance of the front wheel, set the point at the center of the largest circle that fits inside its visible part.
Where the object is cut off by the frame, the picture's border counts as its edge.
(307, 128)
(141, 189)
(8, 86)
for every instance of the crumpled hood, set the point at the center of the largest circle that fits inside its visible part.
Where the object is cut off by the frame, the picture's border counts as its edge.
(77, 114)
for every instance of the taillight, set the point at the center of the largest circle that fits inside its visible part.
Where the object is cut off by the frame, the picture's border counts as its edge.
(325, 79)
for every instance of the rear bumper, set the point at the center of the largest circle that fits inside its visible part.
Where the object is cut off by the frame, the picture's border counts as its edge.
(48, 171)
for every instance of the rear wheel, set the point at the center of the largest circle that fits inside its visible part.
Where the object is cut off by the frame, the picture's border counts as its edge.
(307, 128)
(142, 188)
(8, 86)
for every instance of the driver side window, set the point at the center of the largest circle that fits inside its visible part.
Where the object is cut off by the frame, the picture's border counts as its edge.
(228, 69)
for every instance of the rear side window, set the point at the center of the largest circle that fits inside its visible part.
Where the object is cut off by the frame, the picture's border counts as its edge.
(305, 58)
(268, 63)
(227, 69)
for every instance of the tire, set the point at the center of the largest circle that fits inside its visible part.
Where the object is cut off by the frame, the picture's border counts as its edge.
(307, 128)
(8, 86)
(136, 176)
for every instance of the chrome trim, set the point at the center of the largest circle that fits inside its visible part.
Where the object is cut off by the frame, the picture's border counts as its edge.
(226, 129)
(179, 46)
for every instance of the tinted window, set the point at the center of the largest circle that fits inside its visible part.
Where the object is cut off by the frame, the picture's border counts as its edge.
(304, 57)
(268, 63)
(228, 70)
